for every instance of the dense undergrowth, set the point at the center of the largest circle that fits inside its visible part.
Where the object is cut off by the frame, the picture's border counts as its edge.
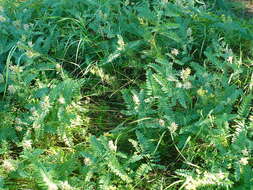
(111, 94)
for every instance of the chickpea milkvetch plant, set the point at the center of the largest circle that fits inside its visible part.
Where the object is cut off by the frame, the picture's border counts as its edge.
(182, 68)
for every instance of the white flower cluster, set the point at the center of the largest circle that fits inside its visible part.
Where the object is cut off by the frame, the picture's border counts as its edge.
(87, 161)
(186, 85)
(18, 124)
(45, 104)
(8, 166)
(16, 69)
(121, 43)
(11, 89)
(65, 186)
(2, 18)
(28, 26)
(173, 127)
(32, 54)
(112, 146)
(244, 161)
(207, 179)
(136, 99)
(58, 68)
(184, 75)
(61, 100)
(27, 144)
(77, 121)
(174, 52)
(230, 59)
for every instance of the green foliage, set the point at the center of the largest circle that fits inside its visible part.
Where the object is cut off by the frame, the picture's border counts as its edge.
(109, 95)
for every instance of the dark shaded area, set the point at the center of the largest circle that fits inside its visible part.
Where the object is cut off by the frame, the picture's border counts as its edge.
(244, 8)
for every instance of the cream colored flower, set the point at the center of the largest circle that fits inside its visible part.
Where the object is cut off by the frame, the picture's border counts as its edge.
(45, 104)
(77, 121)
(136, 99)
(221, 175)
(189, 32)
(11, 89)
(174, 52)
(27, 144)
(126, 2)
(112, 57)
(8, 166)
(112, 146)
(244, 161)
(35, 113)
(61, 100)
(26, 26)
(36, 125)
(87, 161)
(201, 92)
(173, 127)
(31, 54)
(52, 186)
(190, 183)
(18, 121)
(58, 67)
(65, 186)
(185, 73)
(230, 59)
(30, 44)
(251, 118)
(245, 152)
(121, 43)
(179, 85)
(16, 69)
(66, 140)
(18, 128)
(161, 122)
(187, 85)
(2, 18)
